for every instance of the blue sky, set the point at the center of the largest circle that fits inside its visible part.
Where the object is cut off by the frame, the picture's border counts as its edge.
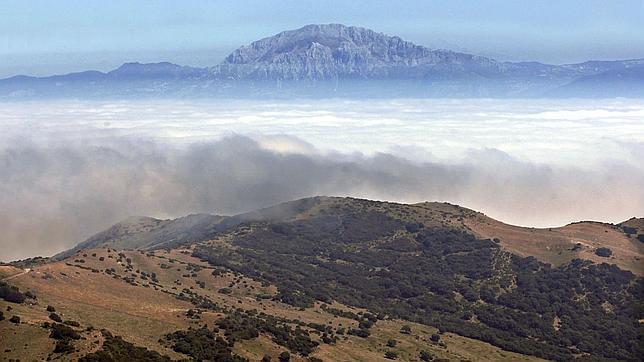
(43, 37)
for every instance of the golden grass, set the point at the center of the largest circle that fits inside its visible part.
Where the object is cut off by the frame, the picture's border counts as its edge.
(143, 315)
(558, 245)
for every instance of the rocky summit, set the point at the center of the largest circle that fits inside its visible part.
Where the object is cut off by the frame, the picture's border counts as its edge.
(326, 52)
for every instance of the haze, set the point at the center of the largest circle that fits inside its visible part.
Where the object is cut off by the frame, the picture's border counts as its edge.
(69, 169)
(45, 37)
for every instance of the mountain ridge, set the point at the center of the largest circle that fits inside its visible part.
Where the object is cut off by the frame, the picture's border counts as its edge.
(334, 59)
(555, 245)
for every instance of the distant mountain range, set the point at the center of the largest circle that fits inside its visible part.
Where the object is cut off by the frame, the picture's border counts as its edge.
(338, 60)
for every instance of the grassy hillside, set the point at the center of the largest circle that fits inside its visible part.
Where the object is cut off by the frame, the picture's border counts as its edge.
(333, 279)
(100, 289)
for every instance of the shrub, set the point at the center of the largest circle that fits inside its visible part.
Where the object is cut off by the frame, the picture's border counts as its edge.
(391, 355)
(116, 349)
(435, 337)
(425, 356)
(72, 323)
(603, 252)
(284, 357)
(246, 325)
(11, 294)
(362, 333)
(50, 309)
(64, 346)
(391, 343)
(365, 324)
(629, 230)
(414, 227)
(55, 317)
(15, 319)
(406, 329)
(61, 331)
(202, 344)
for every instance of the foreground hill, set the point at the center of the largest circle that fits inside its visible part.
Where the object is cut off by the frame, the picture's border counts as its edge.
(334, 279)
(337, 60)
(555, 246)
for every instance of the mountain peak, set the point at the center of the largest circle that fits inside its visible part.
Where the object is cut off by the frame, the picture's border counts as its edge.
(340, 60)
(324, 51)
(331, 36)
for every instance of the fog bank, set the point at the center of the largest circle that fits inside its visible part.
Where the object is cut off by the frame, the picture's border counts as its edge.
(67, 172)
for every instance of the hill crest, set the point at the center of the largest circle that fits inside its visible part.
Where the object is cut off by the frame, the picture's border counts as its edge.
(556, 246)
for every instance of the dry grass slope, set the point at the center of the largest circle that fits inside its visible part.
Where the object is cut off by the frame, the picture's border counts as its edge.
(80, 290)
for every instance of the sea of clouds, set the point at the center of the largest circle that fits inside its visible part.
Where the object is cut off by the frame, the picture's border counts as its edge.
(69, 169)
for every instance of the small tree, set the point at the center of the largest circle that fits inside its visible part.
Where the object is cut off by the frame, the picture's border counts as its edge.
(64, 346)
(629, 230)
(406, 329)
(284, 357)
(604, 252)
(391, 343)
(425, 356)
(435, 337)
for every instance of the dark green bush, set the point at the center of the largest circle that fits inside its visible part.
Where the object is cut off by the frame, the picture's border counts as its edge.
(603, 252)
(339, 255)
(64, 346)
(202, 345)
(11, 294)
(629, 230)
(425, 356)
(362, 333)
(61, 331)
(72, 323)
(284, 357)
(116, 349)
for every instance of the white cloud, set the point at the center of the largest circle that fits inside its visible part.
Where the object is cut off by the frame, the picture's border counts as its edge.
(68, 169)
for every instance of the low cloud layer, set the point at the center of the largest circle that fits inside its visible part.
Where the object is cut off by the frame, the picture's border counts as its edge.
(57, 188)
